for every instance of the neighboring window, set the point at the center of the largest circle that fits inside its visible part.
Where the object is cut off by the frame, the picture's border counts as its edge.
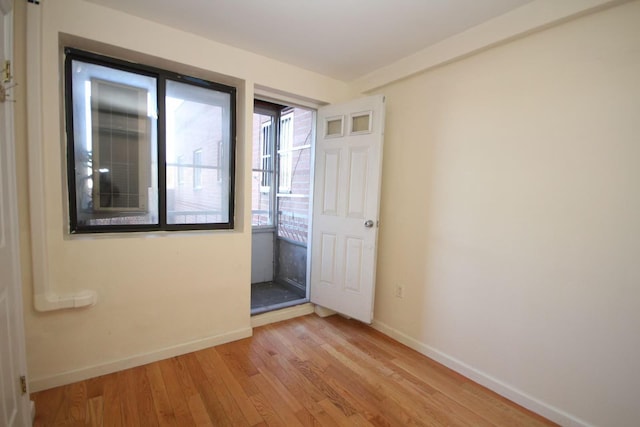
(220, 160)
(266, 142)
(127, 147)
(263, 180)
(180, 170)
(285, 152)
(197, 169)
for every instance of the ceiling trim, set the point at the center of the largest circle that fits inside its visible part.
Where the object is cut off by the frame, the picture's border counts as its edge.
(534, 16)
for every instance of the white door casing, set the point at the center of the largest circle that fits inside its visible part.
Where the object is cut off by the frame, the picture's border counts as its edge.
(348, 166)
(14, 404)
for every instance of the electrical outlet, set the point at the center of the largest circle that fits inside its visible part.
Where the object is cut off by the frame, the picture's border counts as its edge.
(399, 291)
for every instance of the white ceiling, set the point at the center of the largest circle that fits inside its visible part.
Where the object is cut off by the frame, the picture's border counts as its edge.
(344, 39)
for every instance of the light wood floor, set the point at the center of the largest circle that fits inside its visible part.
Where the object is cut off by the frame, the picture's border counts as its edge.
(305, 371)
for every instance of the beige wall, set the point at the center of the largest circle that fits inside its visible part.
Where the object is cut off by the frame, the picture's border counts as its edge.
(511, 215)
(161, 294)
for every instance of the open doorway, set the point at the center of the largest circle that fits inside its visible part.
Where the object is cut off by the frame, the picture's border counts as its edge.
(281, 192)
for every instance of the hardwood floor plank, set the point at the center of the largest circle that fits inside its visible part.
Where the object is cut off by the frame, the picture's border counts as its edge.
(95, 411)
(336, 413)
(393, 389)
(235, 388)
(293, 338)
(306, 393)
(228, 404)
(95, 386)
(357, 420)
(128, 398)
(308, 371)
(363, 400)
(175, 394)
(504, 407)
(314, 375)
(457, 392)
(266, 411)
(193, 398)
(296, 383)
(74, 408)
(160, 397)
(277, 401)
(199, 411)
(211, 403)
(111, 405)
(146, 409)
(390, 347)
(48, 403)
(235, 358)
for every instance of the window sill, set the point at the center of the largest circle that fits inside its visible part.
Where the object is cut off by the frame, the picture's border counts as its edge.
(147, 234)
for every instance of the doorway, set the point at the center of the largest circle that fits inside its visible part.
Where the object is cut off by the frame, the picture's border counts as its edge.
(281, 193)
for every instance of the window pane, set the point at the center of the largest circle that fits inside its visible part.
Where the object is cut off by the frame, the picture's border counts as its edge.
(284, 152)
(333, 127)
(115, 146)
(295, 154)
(261, 203)
(361, 123)
(263, 170)
(198, 129)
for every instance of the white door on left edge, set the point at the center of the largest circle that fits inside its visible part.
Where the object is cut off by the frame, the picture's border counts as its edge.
(14, 404)
(348, 162)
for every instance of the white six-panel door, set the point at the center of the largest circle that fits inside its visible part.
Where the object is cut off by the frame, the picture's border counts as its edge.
(14, 405)
(348, 161)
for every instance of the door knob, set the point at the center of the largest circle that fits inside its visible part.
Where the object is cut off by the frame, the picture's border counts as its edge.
(368, 223)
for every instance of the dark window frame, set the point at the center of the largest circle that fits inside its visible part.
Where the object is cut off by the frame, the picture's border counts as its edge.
(161, 76)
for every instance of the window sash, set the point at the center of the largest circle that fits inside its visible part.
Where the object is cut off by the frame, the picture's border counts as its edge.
(149, 172)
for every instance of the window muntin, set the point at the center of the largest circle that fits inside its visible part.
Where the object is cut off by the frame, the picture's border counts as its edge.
(127, 148)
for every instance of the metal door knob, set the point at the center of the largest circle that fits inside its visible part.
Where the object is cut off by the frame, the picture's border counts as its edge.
(368, 223)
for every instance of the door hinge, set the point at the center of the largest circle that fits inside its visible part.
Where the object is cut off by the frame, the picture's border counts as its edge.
(23, 384)
(6, 72)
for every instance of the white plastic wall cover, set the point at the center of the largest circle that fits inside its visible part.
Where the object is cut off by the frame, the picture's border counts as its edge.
(45, 296)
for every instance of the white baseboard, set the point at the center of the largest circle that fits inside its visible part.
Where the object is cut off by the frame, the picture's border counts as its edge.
(548, 411)
(37, 384)
(280, 315)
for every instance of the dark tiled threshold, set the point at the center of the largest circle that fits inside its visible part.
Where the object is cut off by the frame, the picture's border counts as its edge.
(269, 296)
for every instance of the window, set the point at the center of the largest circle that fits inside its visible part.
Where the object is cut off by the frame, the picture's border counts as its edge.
(263, 169)
(281, 135)
(266, 142)
(131, 131)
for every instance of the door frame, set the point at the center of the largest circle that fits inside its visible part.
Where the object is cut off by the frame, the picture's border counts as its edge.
(263, 95)
(25, 407)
